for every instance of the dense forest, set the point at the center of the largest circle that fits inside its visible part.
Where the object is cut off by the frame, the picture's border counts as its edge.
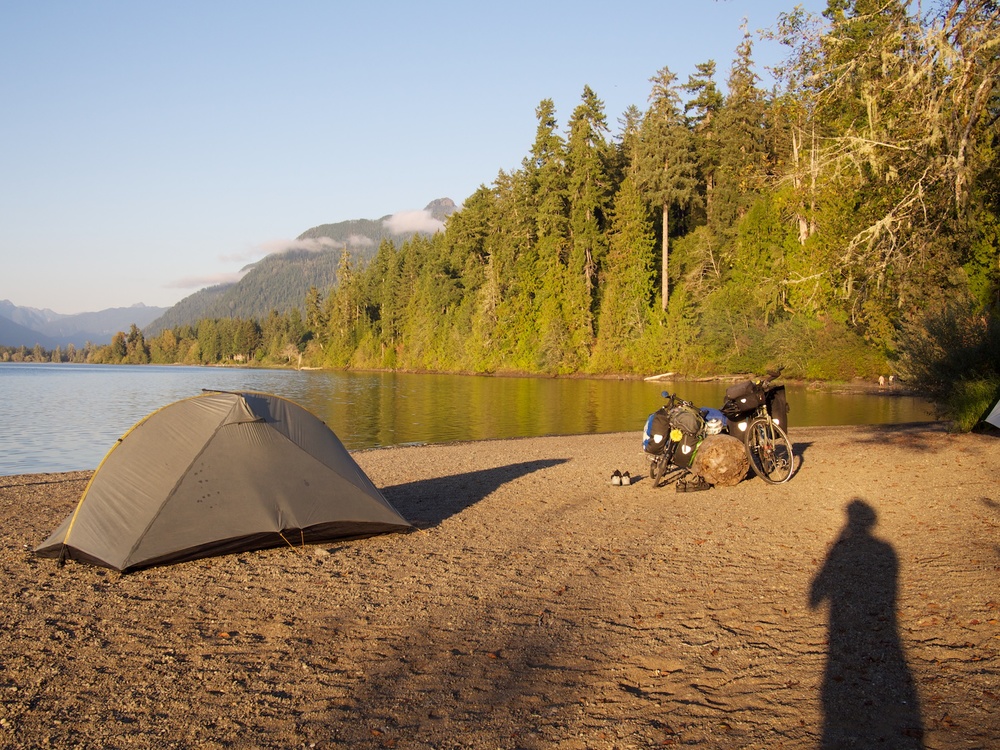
(843, 223)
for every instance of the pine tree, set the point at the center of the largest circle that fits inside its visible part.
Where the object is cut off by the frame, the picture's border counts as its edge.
(119, 349)
(701, 111)
(740, 125)
(587, 158)
(387, 301)
(626, 144)
(628, 285)
(209, 344)
(549, 195)
(315, 311)
(665, 164)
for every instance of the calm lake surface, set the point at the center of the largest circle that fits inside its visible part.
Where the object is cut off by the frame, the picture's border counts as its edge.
(66, 417)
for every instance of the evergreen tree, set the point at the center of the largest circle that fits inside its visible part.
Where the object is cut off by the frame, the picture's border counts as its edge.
(742, 166)
(246, 339)
(507, 313)
(386, 303)
(343, 312)
(135, 345)
(119, 348)
(665, 164)
(469, 241)
(628, 286)
(315, 312)
(626, 144)
(549, 195)
(701, 111)
(209, 343)
(588, 157)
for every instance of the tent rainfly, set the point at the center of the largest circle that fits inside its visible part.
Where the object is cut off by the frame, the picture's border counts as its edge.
(994, 416)
(216, 474)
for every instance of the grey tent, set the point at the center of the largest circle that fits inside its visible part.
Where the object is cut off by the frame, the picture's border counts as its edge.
(216, 474)
(994, 416)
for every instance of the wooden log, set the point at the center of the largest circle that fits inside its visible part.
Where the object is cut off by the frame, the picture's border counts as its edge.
(721, 461)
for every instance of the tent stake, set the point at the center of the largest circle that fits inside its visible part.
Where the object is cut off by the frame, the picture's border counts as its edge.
(288, 543)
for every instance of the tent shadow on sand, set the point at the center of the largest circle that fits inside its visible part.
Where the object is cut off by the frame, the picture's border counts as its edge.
(428, 502)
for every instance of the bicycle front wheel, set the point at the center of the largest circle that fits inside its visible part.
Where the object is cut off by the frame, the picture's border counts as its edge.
(658, 469)
(769, 450)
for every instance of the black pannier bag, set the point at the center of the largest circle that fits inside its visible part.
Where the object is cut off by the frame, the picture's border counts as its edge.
(742, 399)
(656, 435)
(777, 406)
(687, 429)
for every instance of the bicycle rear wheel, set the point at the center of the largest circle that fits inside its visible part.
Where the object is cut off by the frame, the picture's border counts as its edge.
(769, 451)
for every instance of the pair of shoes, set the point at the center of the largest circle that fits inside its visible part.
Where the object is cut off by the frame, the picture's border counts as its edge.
(619, 479)
(694, 484)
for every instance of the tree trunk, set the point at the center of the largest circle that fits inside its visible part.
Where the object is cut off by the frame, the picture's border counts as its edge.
(721, 461)
(665, 262)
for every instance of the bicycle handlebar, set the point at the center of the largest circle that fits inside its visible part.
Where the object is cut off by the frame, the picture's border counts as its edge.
(674, 399)
(771, 375)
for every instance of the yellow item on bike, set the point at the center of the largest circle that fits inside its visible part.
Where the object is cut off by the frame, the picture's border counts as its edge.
(676, 435)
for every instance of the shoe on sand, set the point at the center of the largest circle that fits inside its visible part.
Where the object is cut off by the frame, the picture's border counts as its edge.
(616, 478)
(694, 484)
(626, 479)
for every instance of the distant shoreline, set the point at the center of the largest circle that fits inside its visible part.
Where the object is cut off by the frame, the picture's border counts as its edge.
(851, 386)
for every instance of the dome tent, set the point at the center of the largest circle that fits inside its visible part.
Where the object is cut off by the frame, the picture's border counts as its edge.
(215, 474)
(994, 416)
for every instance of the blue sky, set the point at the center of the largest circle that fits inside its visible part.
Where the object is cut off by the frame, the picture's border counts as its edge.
(148, 149)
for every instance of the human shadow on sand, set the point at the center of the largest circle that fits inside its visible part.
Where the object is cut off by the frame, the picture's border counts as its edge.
(430, 501)
(868, 694)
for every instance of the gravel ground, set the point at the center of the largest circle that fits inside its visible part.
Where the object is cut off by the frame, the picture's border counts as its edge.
(538, 606)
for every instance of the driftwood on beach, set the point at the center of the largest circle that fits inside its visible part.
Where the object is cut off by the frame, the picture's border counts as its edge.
(721, 461)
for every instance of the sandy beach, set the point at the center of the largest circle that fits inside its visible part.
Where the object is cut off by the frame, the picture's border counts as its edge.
(538, 606)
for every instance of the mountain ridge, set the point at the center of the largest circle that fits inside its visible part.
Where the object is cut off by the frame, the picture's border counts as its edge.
(280, 281)
(28, 326)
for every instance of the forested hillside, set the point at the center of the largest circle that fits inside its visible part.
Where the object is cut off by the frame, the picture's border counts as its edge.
(844, 223)
(280, 281)
(811, 225)
(276, 282)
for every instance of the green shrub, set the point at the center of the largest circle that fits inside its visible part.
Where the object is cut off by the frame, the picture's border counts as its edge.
(969, 402)
(952, 354)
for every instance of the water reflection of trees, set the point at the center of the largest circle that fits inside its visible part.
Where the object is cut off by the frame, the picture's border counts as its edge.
(868, 694)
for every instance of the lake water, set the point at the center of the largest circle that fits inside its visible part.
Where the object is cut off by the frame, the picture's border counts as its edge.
(66, 417)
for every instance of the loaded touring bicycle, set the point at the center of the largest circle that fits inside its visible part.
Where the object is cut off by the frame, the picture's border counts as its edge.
(754, 411)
